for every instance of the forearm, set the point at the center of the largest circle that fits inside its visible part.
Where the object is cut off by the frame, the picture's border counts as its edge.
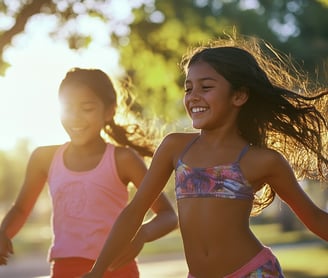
(123, 231)
(158, 226)
(320, 225)
(13, 222)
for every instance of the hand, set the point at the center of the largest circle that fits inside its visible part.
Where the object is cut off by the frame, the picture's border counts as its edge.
(6, 248)
(126, 256)
(129, 253)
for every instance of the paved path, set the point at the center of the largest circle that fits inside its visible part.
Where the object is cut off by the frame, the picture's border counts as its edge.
(150, 267)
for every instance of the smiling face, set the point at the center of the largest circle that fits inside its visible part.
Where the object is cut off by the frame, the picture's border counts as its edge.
(209, 98)
(83, 114)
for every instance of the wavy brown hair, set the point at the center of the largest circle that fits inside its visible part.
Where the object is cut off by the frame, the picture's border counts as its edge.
(284, 111)
(126, 128)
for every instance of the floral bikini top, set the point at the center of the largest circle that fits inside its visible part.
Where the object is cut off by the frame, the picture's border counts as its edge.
(222, 181)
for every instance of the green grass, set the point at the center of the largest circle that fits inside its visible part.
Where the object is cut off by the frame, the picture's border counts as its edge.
(171, 243)
(271, 234)
(301, 253)
(304, 262)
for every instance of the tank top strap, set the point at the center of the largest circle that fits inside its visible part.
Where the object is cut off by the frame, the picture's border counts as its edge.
(242, 153)
(188, 146)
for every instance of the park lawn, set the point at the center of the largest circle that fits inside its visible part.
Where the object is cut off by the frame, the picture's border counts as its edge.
(271, 234)
(304, 262)
(301, 253)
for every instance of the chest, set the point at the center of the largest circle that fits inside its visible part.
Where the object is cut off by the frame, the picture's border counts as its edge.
(224, 181)
(81, 163)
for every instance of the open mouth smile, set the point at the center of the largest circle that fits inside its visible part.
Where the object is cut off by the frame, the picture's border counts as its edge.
(198, 109)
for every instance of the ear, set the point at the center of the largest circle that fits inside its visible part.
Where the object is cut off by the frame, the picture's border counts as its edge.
(110, 113)
(240, 96)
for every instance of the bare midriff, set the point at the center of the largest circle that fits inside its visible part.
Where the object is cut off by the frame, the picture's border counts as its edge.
(216, 235)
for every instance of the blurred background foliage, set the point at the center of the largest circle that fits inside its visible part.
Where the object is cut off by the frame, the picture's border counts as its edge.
(151, 43)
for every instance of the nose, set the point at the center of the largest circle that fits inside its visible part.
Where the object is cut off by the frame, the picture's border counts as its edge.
(194, 94)
(71, 114)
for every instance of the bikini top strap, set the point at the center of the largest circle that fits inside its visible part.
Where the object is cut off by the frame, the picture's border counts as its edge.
(242, 153)
(188, 147)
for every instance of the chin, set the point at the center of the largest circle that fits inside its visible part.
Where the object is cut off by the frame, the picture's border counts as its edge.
(195, 126)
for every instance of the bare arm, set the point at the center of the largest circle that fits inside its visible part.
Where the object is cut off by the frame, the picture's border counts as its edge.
(284, 182)
(164, 219)
(35, 179)
(129, 223)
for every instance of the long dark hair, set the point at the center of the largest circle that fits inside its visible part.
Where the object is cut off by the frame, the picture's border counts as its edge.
(281, 112)
(127, 134)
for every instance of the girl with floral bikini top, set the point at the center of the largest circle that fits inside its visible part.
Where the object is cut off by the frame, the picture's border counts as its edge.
(236, 97)
(221, 181)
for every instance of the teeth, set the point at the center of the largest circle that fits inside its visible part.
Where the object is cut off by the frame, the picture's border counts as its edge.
(198, 109)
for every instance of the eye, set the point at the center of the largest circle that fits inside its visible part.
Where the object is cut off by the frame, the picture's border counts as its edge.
(206, 88)
(88, 108)
(188, 91)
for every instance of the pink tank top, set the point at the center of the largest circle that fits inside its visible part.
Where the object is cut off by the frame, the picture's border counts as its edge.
(85, 205)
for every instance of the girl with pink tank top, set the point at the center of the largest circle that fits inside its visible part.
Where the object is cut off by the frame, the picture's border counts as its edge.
(88, 178)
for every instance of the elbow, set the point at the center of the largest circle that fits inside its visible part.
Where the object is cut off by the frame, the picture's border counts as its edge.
(174, 221)
(162, 224)
(171, 220)
(318, 223)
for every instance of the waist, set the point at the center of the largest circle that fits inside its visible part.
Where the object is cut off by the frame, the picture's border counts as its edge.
(72, 243)
(218, 241)
(218, 263)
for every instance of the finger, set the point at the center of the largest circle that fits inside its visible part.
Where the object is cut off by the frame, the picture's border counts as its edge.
(3, 260)
(10, 247)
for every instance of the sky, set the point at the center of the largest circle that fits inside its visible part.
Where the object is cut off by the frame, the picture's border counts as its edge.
(28, 91)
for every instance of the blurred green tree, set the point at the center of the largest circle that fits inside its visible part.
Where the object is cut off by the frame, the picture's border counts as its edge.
(153, 38)
(161, 33)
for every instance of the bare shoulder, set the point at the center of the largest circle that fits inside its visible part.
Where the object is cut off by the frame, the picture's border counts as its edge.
(43, 156)
(265, 156)
(130, 165)
(260, 164)
(174, 143)
(178, 140)
(45, 152)
(126, 154)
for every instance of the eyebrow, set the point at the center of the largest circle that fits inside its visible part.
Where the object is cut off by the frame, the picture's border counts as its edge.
(202, 79)
(87, 102)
